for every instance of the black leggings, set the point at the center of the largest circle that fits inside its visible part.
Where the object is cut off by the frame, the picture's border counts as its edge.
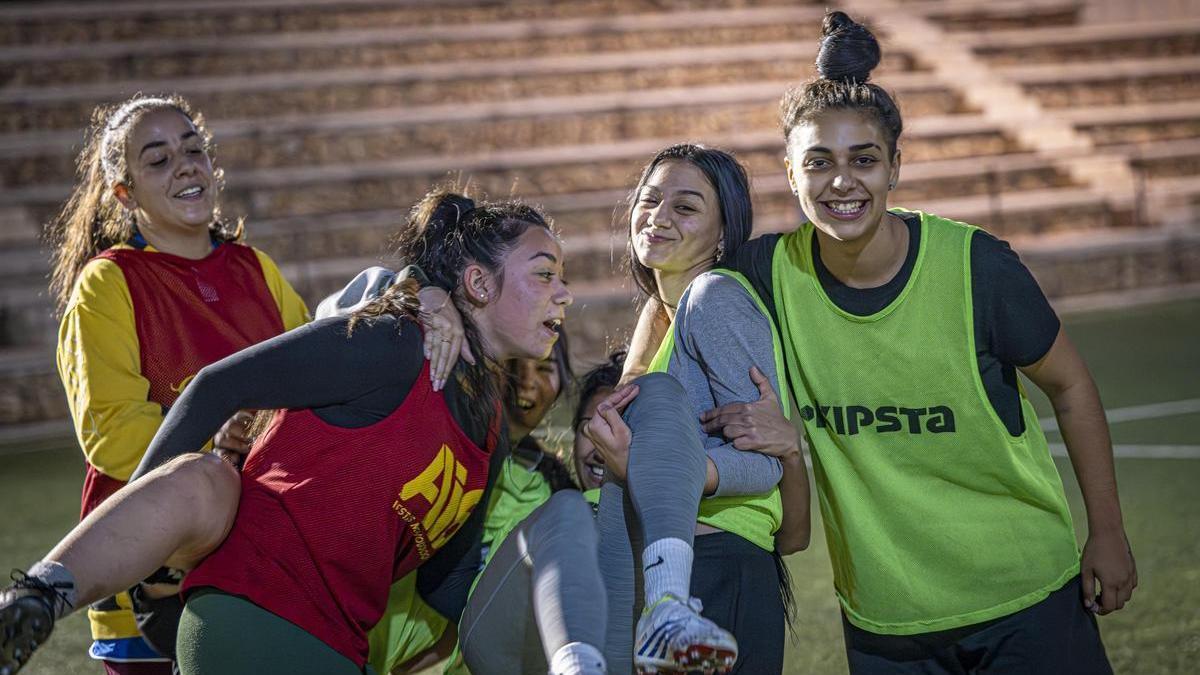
(1056, 636)
(739, 586)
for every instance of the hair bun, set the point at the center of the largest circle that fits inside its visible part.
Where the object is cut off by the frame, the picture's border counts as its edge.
(450, 208)
(849, 52)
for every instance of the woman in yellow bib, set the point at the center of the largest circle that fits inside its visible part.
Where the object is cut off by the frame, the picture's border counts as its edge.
(949, 533)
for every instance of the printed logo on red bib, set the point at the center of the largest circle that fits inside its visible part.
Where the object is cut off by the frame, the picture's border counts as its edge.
(443, 485)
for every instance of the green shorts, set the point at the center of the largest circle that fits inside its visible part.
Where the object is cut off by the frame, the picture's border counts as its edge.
(222, 634)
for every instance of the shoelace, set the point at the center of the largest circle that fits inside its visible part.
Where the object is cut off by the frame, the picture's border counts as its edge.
(59, 602)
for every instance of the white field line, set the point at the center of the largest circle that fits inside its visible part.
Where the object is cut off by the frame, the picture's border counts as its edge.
(1139, 412)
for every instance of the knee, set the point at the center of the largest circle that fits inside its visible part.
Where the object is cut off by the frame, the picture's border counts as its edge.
(567, 515)
(658, 392)
(571, 510)
(209, 485)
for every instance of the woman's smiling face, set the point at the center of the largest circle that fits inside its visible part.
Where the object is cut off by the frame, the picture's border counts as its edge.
(676, 220)
(589, 467)
(841, 170)
(171, 173)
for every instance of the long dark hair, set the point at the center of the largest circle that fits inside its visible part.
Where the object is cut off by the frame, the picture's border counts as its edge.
(445, 232)
(848, 54)
(728, 179)
(93, 220)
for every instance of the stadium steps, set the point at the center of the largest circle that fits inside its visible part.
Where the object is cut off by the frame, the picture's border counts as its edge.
(26, 108)
(334, 64)
(34, 23)
(1087, 42)
(153, 59)
(1120, 81)
(30, 391)
(978, 15)
(455, 127)
(298, 189)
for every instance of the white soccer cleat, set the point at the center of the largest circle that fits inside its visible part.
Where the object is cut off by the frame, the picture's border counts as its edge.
(672, 637)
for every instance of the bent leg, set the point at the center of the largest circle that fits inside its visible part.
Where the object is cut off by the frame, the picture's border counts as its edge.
(539, 593)
(667, 462)
(173, 516)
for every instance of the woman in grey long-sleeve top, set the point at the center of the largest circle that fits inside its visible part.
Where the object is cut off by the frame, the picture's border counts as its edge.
(688, 214)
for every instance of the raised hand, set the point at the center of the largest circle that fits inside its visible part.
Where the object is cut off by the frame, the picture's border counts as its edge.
(445, 340)
(609, 433)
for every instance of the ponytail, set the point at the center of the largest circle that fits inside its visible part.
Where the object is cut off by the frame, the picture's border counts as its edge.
(445, 232)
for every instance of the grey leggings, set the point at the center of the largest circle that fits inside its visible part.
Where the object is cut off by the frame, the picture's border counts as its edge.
(667, 465)
(543, 587)
(540, 591)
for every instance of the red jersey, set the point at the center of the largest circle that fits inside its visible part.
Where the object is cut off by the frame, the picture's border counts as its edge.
(188, 314)
(330, 516)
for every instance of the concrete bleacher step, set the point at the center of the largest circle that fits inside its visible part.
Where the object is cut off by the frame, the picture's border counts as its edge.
(977, 16)
(18, 227)
(1087, 42)
(683, 112)
(31, 23)
(1119, 81)
(1159, 160)
(281, 52)
(374, 184)
(30, 391)
(1145, 123)
(315, 92)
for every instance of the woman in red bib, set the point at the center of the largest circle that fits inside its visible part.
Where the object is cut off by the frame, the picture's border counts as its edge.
(365, 473)
(152, 286)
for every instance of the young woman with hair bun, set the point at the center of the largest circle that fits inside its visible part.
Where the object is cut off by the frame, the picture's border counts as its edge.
(152, 285)
(364, 474)
(949, 533)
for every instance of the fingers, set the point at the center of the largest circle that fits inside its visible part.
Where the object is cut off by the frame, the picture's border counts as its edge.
(1108, 598)
(234, 434)
(1124, 593)
(445, 360)
(728, 411)
(443, 344)
(1088, 580)
(620, 398)
(611, 415)
(765, 390)
(435, 356)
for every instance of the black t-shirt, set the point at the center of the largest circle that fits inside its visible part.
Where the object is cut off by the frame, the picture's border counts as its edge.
(1014, 323)
(348, 381)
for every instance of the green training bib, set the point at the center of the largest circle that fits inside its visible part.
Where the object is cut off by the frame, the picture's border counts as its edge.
(752, 517)
(935, 516)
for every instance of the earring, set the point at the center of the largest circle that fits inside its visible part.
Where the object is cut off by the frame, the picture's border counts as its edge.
(892, 185)
(720, 250)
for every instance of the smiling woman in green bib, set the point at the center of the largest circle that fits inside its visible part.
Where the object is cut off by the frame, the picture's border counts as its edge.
(949, 533)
